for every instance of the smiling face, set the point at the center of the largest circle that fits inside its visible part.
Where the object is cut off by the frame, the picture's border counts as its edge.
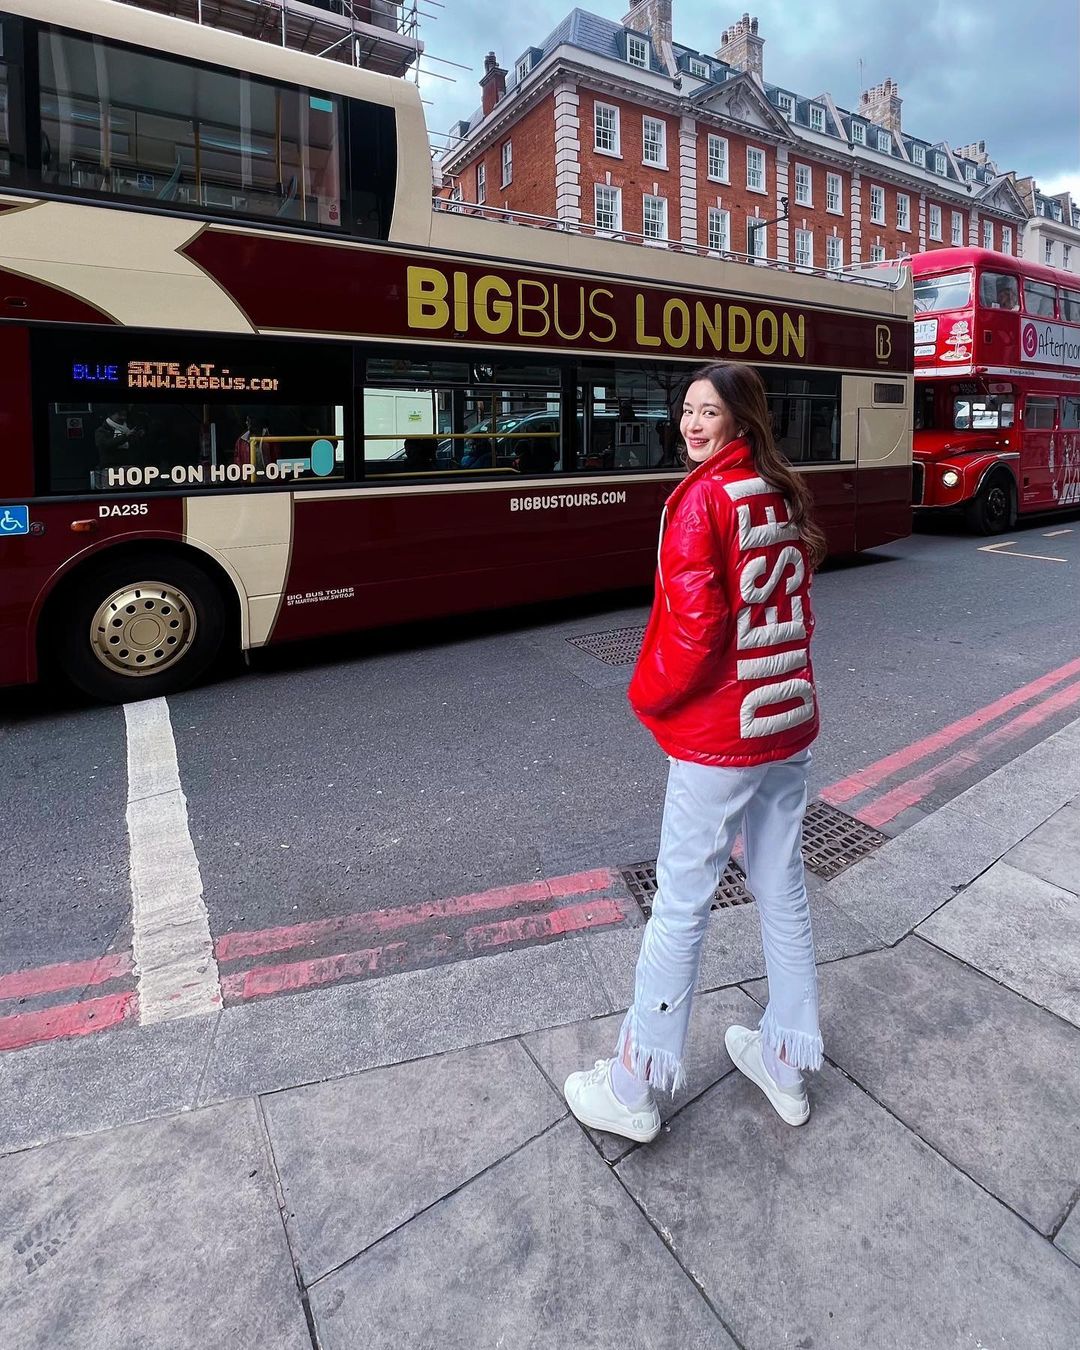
(707, 422)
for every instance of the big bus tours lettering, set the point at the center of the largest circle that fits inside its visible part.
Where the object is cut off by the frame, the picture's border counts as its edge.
(531, 309)
(174, 376)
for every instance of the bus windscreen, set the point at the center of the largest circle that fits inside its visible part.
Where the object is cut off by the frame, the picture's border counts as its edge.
(934, 294)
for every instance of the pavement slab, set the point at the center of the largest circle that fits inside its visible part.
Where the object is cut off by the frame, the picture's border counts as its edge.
(562, 1050)
(1019, 930)
(305, 1038)
(1052, 852)
(848, 1232)
(936, 1043)
(165, 1233)
(361, 1156)
(1068, 1239)
(99, 1081)
(545, 1251)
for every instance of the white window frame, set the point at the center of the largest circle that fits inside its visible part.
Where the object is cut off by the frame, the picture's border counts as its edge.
(720, 238)
(603, 189)
(1066, 252)
(720, 145)
(877, 204)
(934, 213)
(523, 68)
(646, 199)
(506, 162)
(918, 155)
(903, 212)
(1048, 252)
(804, 248)
(660, 162)
(858, 133)
(941, 164)
(481, 182)
(637, 47)
(969, 172)
(877, 252)
(764, 186)
(601, 128)
(885, 142)
(834, 252)
(956, 237)
(1006, 239)
(804, 190)
(988, 229)
(699, 68)
(834, 194)
(816, 117)
(786, 104)
(761, 238)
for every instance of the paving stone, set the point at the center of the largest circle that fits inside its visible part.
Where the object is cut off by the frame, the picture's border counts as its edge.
(362, 1155)
(848, 1232)
(562, 1050)
(94, 1082)
(936, 1043)
(911, 876)
(1052, 852)
(545, 1251)
(1020, 930)
(165, 1233)
(305, 1038)
(1025, 791)
(1068, 1239)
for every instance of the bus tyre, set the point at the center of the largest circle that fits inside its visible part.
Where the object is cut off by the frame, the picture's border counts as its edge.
(147, 625)
(993, 508)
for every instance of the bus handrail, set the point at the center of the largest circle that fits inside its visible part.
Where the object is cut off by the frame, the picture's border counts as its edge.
(892, 272)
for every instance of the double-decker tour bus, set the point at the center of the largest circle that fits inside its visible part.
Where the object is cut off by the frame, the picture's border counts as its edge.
(997, 386)
(254, 388)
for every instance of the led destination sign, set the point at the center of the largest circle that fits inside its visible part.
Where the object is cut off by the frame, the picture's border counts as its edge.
(173, 376)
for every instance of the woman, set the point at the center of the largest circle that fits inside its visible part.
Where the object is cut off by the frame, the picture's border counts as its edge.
(725, 685)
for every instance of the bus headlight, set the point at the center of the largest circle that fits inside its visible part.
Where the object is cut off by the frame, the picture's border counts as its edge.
(950, 477)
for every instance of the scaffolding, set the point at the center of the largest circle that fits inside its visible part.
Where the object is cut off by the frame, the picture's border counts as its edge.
(375, 34)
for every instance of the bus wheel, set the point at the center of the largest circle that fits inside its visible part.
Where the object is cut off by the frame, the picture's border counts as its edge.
(136, 628)
(993, 508)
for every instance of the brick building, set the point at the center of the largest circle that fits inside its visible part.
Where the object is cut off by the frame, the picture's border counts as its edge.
(618, 128)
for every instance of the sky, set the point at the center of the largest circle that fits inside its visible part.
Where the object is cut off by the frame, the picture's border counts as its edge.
(968, 70)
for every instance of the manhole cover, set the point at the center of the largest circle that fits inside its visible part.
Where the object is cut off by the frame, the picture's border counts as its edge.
(641, 883)
(617, 647)
(833, 840)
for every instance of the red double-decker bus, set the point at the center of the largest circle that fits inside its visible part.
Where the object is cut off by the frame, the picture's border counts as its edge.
(997, 386)
(254, 388)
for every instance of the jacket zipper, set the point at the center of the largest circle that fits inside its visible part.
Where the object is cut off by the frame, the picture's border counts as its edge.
(659, 546)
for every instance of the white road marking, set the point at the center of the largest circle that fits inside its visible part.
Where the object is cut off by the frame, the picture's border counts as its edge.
(1053, 534)
(999, 549)
(174, 952)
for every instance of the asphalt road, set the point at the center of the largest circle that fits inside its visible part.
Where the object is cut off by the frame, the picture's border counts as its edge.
(384, 771)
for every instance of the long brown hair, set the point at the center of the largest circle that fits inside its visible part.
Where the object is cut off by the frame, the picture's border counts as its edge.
(743, 391)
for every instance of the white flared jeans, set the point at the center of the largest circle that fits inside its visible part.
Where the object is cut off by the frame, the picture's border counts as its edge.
(704, 809)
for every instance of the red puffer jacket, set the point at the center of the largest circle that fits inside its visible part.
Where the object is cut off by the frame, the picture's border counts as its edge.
(724, 674)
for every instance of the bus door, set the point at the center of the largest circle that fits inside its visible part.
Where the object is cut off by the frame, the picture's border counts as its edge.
(1067, 452)
(1039, 467)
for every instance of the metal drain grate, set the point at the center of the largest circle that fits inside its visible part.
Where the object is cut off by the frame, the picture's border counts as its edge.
(833, 840)
(641, 883)
(617, 647)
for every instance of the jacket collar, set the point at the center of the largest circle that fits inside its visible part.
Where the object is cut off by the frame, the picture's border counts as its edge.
(735, 455)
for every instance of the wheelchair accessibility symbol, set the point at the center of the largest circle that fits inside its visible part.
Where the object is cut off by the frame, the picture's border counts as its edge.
(14, 520)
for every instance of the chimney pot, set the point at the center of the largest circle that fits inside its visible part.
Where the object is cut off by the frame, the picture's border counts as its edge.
(492, 83)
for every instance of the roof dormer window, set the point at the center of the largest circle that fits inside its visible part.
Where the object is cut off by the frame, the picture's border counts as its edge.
(817, 118)
(786, 104)
(699, 68)
(884, 142)
(637, 51)
(858, 133)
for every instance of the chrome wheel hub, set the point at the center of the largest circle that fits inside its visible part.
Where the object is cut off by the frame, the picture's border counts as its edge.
(143, 628)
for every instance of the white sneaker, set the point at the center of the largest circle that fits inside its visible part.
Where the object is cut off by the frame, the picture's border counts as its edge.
(589, 1095)
(744, 1046)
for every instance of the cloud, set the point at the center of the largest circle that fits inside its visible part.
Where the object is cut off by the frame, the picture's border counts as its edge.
(967, 70)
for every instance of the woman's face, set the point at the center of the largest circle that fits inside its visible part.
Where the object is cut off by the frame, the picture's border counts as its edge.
(707, 423)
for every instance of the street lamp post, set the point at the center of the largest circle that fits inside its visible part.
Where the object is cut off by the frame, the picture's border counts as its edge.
(752, 230)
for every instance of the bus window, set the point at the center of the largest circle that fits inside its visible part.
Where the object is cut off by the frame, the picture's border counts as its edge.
(934, 294)
(1070, 414)
(805, 413)
(149, 413)
(998, 290)
(1039, 299)
(163, 132)
(629, 422)
(1070, 306)
(1039, 413)
(983, 412)
(925, 395)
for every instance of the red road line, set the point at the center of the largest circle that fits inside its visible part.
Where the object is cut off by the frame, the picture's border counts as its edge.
(533, 927)
(873, 774)
(70, 1019)
(294, 975)
(68, 975)
(899, 798)
(261, 942)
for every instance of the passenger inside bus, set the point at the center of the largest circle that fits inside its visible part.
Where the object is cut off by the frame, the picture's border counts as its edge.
(998, 290)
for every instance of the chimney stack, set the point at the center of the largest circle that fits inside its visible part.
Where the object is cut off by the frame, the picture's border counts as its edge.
(654, 17)
(492, 83)
(741, 47)
(882, 105)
